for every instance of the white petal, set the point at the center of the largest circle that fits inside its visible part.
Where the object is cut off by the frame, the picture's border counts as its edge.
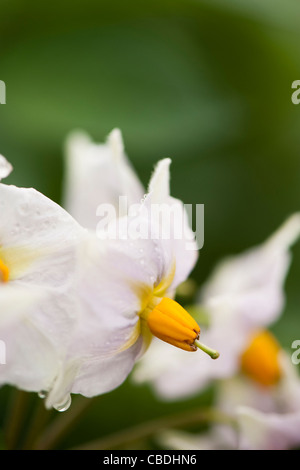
(240, 391)
(15, 300)
(101, 372)
(39, 241)
(181, 440)
(5, 168)
(116, 286)
(58, 395)
(106, 341)
(98, 174)
(36, 326)
(159, 185)
(218, 438)
(170, 219)
(268, 431)
(251, 284)
(288, 389)
(41, 245)
(119, 277)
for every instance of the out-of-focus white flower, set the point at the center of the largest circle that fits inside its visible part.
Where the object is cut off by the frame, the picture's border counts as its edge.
(244, 295)
(97, 174)
(267, 417)
(39, 252)
(265, 400)
(268, 431)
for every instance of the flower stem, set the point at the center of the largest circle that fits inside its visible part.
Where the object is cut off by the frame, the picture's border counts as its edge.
(122, 439)
(211, 352)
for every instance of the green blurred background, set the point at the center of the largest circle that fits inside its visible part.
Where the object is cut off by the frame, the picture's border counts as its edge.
(207, 83)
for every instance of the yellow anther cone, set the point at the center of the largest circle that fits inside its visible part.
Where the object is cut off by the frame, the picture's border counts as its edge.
(260, 361)
(4, 272)
(171, 323)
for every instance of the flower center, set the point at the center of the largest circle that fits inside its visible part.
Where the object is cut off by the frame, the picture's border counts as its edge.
(260, 361)
(168, 320)
(4, 272)
(171, 323)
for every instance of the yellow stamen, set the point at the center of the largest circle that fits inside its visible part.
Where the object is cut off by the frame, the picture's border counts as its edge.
(260, 361)
(172, 323)
(4, 272)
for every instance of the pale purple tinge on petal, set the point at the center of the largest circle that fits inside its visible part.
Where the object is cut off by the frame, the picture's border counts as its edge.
(268, 431)
(97, 174)
(5, 168)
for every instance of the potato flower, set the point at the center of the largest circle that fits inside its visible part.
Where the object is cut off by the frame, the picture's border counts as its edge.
(128, 288)
(244, 295)
(263, 402)
(82, 305)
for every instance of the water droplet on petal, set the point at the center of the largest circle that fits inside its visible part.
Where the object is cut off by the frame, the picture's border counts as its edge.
(43, 394)
(64, 406)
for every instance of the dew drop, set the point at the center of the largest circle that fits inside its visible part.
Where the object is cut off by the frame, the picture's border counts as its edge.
(42, 394)
(64, 406)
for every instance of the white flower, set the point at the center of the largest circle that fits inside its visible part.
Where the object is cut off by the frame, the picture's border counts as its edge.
(39, 249)
(103, 299)
(125, 297)
(244, 294)
(268, 431)
(266, 418)
(268, 415)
